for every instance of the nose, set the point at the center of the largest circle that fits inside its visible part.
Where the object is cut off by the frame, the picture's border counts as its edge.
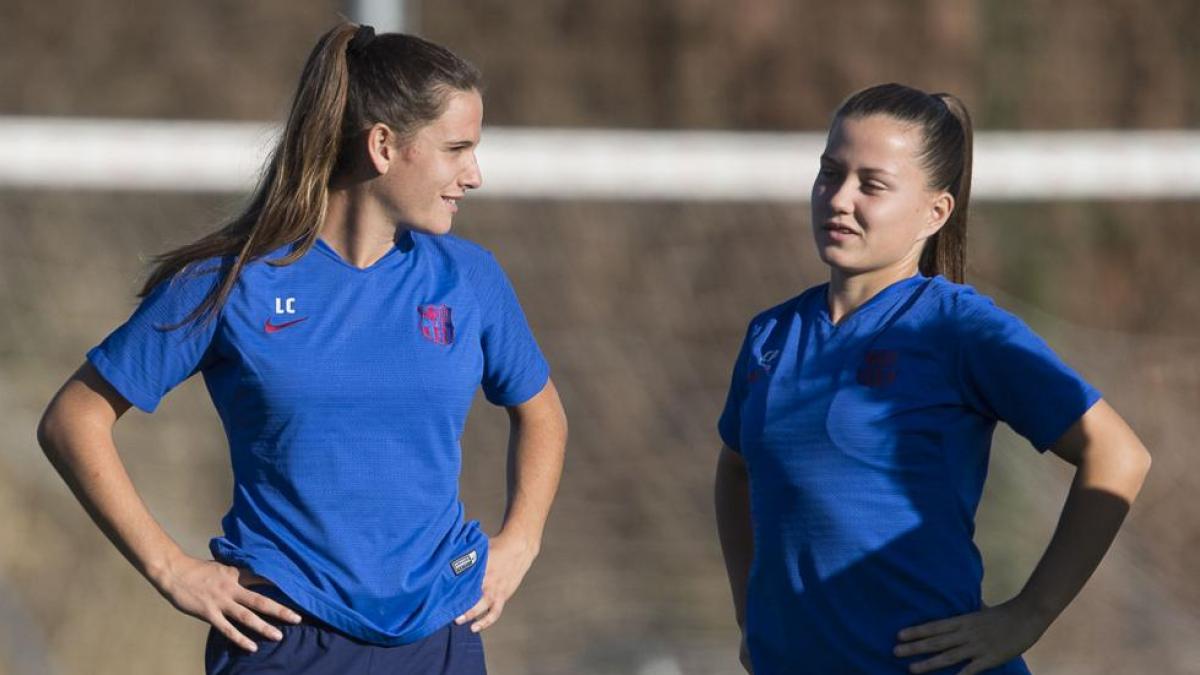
(472, 177)
(839, 196)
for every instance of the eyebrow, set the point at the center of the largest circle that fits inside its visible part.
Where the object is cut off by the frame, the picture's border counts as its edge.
(826, 159)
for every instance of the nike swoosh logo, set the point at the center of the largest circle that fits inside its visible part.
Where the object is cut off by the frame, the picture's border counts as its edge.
(276, 327)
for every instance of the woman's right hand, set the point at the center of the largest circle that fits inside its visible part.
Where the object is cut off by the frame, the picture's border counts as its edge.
(209, 591)
(76, 433)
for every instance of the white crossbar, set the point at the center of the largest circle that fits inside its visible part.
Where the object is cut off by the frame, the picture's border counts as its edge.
(537, 163)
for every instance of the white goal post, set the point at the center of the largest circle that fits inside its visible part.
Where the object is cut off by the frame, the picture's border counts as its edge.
(609, 164)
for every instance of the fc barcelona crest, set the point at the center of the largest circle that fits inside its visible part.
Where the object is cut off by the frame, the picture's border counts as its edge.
(878, 368)
(436, 325)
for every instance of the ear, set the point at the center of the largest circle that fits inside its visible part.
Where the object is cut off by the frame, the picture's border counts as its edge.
(939, 212)
(382, 147)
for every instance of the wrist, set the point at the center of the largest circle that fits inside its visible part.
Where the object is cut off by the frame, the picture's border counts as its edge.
(162, 569)
(525, 542)
(1035, 610)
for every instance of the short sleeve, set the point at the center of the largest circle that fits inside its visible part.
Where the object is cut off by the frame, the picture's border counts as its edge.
(147, 356)
(1007, 372)
(729, 426)
(514, 369)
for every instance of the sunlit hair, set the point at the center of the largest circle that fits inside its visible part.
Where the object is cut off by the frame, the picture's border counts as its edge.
(945, 156)
(352, 80)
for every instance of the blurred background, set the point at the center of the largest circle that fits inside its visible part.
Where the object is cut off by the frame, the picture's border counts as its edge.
(639, 304)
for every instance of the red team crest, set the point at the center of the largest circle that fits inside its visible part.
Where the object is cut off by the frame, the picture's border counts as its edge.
(436, 325)
(878, 368)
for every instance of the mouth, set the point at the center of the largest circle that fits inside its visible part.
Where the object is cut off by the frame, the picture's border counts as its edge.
(451, 202)
(837, 228)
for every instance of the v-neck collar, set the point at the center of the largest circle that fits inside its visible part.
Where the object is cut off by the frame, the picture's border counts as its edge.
(881, 301)
(402, 244)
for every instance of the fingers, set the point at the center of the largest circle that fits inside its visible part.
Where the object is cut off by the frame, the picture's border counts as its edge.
(251, 620)
(491, 616)
(264, 605)
(938, 643)
(221, 620)
(983, 639)
(224, 627)
(929, 629)
(485, 613)
(209, 590)
(977, 666)
(476, 611)
(941, 660)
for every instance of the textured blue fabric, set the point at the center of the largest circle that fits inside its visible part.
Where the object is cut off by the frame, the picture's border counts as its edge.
(867, 446)
(343, 393)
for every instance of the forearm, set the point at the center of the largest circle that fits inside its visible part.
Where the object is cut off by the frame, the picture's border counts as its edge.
(82, 450)
(1112, 465)
(536, 450)
(731, 496)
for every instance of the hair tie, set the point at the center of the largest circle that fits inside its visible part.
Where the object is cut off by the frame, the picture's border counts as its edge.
(362, 37)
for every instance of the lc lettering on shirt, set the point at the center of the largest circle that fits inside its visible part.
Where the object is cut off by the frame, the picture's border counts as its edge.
(285, 305)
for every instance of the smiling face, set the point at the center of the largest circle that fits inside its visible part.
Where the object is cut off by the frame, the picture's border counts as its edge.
(872, 208)
(424, 177)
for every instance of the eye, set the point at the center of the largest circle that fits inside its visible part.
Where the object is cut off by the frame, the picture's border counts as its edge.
(873, 186)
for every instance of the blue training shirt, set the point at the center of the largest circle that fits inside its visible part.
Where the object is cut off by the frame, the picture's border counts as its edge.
(343, 393)
(867, 446)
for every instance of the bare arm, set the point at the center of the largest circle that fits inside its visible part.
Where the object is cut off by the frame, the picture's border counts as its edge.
(731, 495)
(76, 434)
(1111, 466)
(536, 449)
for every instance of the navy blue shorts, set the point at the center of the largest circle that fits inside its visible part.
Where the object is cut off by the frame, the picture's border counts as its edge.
(314, 648)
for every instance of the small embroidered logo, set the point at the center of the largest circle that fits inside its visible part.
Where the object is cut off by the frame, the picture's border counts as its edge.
(276, 327)
(436, 325)
(765, 364)
(463, 563)
(878, 368)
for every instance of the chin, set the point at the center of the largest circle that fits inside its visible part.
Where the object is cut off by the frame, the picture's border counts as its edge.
(839, 261)
(832, 256)
(433, 228)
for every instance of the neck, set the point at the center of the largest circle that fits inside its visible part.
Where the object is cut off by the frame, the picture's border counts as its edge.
(356, 227)
(848, 291)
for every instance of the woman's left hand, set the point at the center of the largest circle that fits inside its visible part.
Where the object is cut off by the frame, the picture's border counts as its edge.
(983, 639)
(509, 558)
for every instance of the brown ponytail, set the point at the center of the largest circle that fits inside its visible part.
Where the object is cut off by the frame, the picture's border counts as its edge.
(400, 80)
(947, 155)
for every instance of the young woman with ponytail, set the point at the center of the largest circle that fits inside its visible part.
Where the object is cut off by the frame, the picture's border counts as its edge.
(859, 420)
(342, 334)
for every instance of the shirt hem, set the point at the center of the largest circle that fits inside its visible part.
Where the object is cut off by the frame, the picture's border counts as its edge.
(119, 381)
(338, 618)
(525, 393)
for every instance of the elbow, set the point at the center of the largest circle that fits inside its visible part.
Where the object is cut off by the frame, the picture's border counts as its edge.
(1123, 471)
(60, 422)
(84, 410)
(1137, 468)
(49, 430)
(1135, 462)
(564, 427)
(1142, 462)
